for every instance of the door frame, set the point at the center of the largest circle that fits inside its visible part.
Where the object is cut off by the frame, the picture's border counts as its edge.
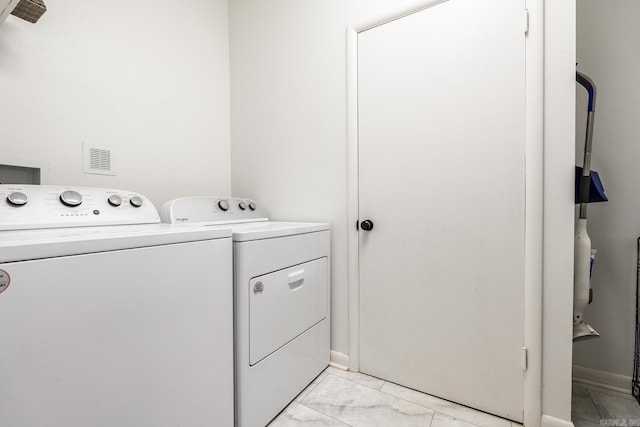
(534, 151)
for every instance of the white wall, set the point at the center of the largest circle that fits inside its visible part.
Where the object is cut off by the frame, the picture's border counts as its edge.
(148, 78)
(288, 109)
(607, 51)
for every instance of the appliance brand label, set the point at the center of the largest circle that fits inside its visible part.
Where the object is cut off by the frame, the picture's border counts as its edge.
(5, 279)
(258, 288)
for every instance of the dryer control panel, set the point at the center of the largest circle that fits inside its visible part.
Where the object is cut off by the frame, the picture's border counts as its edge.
(212, 210)
(51, 206)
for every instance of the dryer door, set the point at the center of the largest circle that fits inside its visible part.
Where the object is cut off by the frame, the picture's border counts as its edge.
(284, 304)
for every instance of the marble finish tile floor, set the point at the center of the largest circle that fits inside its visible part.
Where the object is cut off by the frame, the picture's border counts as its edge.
(350, 399)
(593, 406)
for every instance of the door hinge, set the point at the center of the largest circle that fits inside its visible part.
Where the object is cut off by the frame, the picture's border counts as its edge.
(525, 358)
(525, 20)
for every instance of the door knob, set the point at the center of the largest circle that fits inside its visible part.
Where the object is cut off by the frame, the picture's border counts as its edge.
(366, 225)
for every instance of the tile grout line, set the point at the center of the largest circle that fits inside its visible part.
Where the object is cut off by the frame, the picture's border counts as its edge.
(370, 388)
(593, 402)
(414, 403)
(309, 390)
(458, 418)
(405, 400)
(322, 413)
(355, 382)
(441, 412)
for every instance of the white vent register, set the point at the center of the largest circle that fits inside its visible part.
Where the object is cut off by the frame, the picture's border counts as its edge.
(97, 160)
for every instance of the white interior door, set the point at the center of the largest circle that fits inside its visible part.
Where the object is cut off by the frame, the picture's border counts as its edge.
(441, 113)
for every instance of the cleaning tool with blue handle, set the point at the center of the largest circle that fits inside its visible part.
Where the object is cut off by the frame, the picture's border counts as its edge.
(582, 251)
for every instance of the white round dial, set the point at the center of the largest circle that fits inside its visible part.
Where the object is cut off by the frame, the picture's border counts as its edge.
(115, 200)
(71, 198)
(224, 205)
(135, 201)
(17, 198)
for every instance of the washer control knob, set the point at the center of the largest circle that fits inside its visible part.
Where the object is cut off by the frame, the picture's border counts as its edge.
(224, 205)
(252, 206)
(115, 200)
(71, 198)
(242, 206)
(17, 198)
(135, 201)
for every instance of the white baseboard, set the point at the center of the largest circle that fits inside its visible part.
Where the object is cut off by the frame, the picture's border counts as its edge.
(339, 360)
(549, 421)
(608, 380)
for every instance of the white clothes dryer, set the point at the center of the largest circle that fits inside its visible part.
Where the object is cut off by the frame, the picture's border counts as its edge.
(109, 318)
(281, 288)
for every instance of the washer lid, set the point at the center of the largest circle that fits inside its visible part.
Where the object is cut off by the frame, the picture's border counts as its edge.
(20, 245)
(271, 229)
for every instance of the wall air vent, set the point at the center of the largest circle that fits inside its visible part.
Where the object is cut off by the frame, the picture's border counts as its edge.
(30, 10)
(97, 160)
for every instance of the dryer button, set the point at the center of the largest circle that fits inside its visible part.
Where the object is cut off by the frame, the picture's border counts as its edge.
(224, 205)
(135, 201)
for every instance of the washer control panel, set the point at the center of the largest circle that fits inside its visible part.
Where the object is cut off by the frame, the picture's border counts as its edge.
(52, 206)
(212, 210)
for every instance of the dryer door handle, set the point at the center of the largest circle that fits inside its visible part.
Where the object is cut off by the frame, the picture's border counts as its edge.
(296, 279)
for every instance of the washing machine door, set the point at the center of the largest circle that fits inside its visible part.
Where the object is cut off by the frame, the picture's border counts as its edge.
(284, 304)
(136, 337)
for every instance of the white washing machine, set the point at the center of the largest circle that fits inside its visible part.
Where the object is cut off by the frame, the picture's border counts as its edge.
(109, 318)
(281, 287)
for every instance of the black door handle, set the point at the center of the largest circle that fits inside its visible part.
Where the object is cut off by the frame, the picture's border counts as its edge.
(366, 225)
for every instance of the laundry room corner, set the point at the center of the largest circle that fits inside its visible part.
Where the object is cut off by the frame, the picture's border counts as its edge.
(147, 80)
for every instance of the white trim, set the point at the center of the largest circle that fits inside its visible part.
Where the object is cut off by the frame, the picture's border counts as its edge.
(352, 199)
(339, 360)
(548, 421)
(602, 379)
(533, 186)
(398, 12)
